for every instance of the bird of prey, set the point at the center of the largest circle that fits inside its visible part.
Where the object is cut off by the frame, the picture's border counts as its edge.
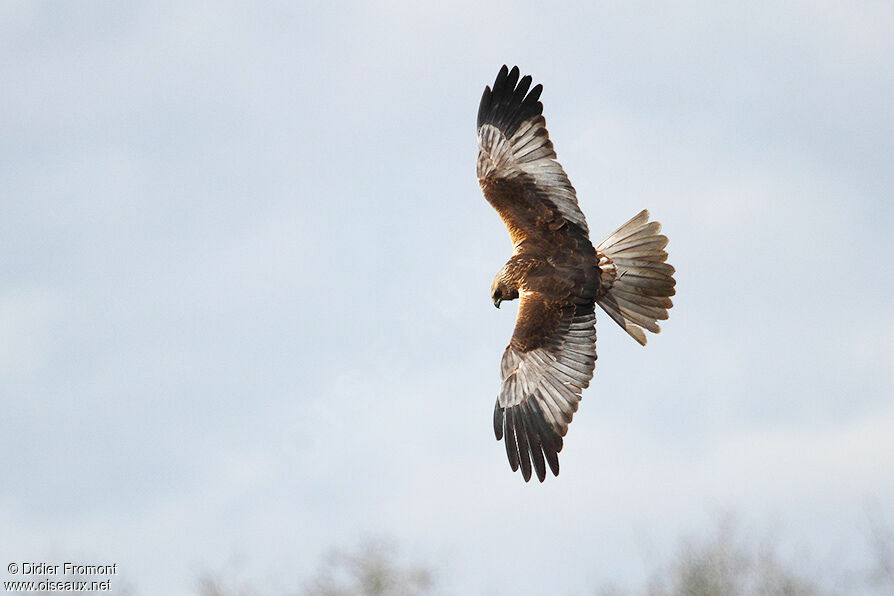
(558, 275)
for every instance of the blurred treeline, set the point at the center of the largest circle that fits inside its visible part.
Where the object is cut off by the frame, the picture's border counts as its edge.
(722, 564)
(725, 563)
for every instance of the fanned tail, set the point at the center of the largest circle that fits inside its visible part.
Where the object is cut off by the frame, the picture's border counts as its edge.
(636, 282)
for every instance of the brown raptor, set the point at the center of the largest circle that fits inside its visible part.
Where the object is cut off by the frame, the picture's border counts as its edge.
(558, 274)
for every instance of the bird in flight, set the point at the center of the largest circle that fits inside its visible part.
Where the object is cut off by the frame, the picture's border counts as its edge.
(558, 275)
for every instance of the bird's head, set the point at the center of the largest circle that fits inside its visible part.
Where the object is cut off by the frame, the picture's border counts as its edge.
(500, 291)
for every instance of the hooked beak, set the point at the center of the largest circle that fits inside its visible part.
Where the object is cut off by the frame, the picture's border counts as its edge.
(497, 302)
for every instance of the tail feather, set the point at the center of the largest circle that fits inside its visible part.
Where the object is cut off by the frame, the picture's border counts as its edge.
(636, 282)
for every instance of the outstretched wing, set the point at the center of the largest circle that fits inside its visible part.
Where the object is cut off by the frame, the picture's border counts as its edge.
(516, 167)
(547, 364)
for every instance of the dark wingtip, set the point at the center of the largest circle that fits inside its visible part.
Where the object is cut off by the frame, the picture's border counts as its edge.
(500, 81)
(531, 443)
(524, 447)
(498, 421)
(511, 447)
(535, 441)
(484, 105)
(513, 77)
(509, 103)
(534, 94)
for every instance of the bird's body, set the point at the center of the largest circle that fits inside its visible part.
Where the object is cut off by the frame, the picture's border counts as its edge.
(558, 274)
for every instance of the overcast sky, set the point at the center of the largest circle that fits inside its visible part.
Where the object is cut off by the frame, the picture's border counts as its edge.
(245, 273)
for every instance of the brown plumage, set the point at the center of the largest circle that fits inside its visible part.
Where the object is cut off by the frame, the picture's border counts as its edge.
(558, 274)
